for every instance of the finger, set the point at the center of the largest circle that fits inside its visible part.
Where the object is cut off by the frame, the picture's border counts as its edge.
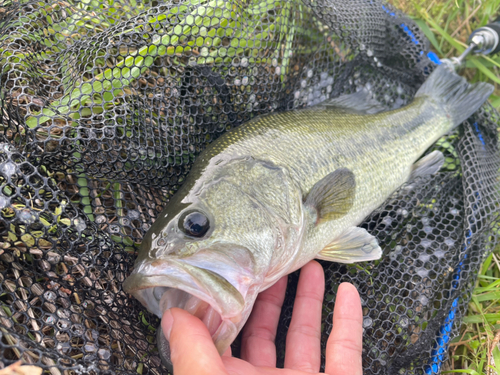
(345, 344)
(228, 353)
(303, 348)
(257, 341)
(236, 366)
(191, 347)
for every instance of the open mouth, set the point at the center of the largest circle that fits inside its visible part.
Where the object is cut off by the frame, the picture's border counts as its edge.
(210, 296)
(167, 298)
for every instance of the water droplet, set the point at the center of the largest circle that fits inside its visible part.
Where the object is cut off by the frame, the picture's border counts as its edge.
(404, 321)
(426, 243)
(49, 295)
(369, 52)
(399, 90)
(63, 313)
(63, 324)
(79, 224)
(404, 213)
(251, 99)
(244, 81)
(424, 257)
(104, 354)
(428, 229)
(8, 169)
(275, 62)
(26, 216)
(297, 94)
(100, 219)
(114, 228)
(449, 242)
(329, 89)
(454, 211)
(303, 83)
(90, 347)
(309, 73)
(439, 253)
(367, 322)
(387, 220)
(77, 329)
(49, 319)
(422, 272)
(237, 82)
(244, 62)
(277, 70)
(63, 347)
(423, 299)
(3, 202)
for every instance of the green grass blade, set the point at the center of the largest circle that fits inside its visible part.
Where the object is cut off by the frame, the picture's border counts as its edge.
(490, 318)
(429, 34)
(488, 73)
(495, 101)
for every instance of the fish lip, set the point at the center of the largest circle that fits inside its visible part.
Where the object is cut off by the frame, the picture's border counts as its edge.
(170, 273)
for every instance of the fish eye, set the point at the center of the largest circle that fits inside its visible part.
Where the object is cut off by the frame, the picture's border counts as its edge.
(194, 223)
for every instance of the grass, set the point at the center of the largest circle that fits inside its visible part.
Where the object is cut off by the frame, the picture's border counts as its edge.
(448, 24)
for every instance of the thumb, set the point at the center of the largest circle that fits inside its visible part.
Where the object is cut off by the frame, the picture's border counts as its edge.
(192, 350)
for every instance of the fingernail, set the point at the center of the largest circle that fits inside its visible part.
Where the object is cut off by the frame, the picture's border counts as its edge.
(166, 323)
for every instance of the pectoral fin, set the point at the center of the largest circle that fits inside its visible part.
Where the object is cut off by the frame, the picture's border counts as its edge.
(428, 165)
(333, 196)
(354, 245)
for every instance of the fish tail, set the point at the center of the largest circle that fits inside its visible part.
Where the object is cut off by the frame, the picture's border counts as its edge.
(460, 98)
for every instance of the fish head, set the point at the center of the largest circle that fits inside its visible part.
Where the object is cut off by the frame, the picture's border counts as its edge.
(208, 253)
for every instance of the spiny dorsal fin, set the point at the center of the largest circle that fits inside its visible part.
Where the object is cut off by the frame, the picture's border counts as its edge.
(333, 196)
(428, 165)
(354, 245)
(360, 102)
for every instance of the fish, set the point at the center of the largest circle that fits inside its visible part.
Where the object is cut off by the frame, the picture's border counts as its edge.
(268, 196)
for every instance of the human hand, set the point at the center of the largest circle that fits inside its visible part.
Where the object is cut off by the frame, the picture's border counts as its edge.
(193, 352)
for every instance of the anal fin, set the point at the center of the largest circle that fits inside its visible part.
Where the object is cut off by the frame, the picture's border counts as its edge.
(428, 165)
(354, 245)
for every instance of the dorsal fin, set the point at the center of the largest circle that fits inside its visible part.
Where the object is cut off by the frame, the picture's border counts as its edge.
(360, 102)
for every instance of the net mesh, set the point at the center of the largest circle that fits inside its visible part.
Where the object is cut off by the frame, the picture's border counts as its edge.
(106, 104)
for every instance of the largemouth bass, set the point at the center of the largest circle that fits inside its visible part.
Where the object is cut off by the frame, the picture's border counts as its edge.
(268, 196)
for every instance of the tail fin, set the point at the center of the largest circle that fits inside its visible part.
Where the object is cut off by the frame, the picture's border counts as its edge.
(460, 98)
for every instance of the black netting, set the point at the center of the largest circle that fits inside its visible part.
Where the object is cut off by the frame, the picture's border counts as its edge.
(104, 107)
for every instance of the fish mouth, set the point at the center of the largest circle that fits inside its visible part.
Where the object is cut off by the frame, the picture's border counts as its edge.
(164, 298)
(161, 285)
